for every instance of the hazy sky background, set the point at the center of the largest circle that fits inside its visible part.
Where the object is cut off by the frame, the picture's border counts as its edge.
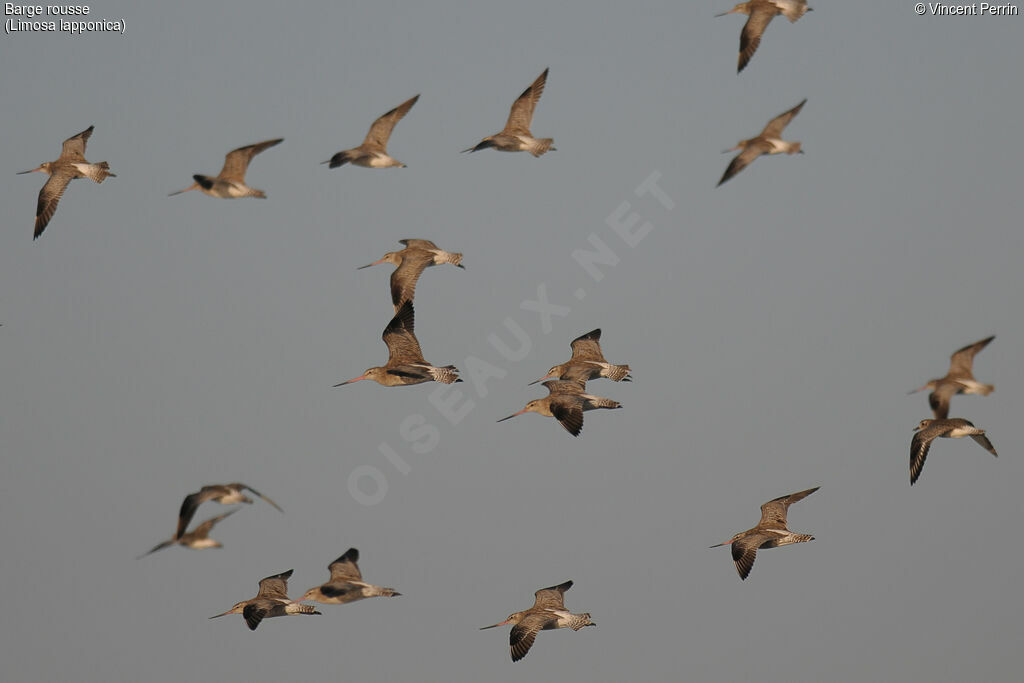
(151, 345)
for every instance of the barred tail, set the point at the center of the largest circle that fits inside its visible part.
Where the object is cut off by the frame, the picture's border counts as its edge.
(299, 608)
(618, 373)
(446, 375)
(580, 620)
(99, 172)
(541, 146)
(599, 402)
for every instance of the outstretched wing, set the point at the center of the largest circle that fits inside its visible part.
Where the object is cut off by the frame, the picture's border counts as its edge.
(939, 399)
(405, 276)
(919, 446)
(751, 151)
(552, 597)
(961, 362)
(588, 347)
(773, 513)
(49, 196)
(522, 635)
(345, 568)
(381, 129)
(778, 124)
(203, 530)
(744, 551)
(403, 347)
(237, 161)
(750, 36)
(521, 115)
(276, 586)
(260, 495)
(74, 147)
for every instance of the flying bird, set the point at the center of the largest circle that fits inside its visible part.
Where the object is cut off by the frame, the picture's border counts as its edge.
(373, 153)
(69, 165)
(770, 532)
(950, 428)
(768, 142)
(516, 136)
(230, 182)
(548, 612)
(586, 354)
(346, 584)
(225, 494)
(959, 379)
(566, 401)
(417, 256)
(271, 601)
(405, 359)
(197, 539)
(760, 14)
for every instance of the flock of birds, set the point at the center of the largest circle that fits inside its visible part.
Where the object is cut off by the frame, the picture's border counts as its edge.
(372, 153)
(567, 397)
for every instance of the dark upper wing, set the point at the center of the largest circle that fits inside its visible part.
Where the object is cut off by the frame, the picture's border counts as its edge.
(521, 115)
(778, 124)
(381, 129)
(203, 530)
(275, 586)
(570, 415)
(237, 161)
(752, 150)
(750, 36)
(961, 362)
(405, 276)
(257, 610)
(74, 147)
(159, 546)
(939, 399)
(773, 513)
(522, 635)
(403, 347)
(345, 568)
(192, 503)
(985, 443)
(552, 597)
(49, 196)
(744, 551)
(257, 493)
(588, 346)
(418, 244)
(919, 451)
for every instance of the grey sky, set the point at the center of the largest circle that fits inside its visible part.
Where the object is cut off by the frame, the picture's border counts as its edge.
(151, 344)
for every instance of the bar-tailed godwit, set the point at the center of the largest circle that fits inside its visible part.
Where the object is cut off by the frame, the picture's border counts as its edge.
(768, 142)
(197, 539)
(373, 153)
(586, 353)
(271, 601)
(69, 165)
(230, 182)
(405, 359)
(346, 584)
(516, 136)
(566, 401)
(770, 532)
(760, 13)
(548, 612)
(951, 428)
(412, 261)
(225, 494)
(959, 380)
